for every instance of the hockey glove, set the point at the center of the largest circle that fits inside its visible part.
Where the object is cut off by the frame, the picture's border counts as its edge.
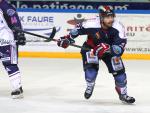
(21, 40)
(65, 41)
(101, 50)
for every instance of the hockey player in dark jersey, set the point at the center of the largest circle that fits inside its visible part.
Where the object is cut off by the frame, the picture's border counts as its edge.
(107, 42)
(10, 40)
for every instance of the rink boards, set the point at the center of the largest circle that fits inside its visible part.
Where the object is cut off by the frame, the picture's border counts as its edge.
(41, 21)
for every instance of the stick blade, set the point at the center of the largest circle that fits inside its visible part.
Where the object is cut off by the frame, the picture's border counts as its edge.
(52, 35)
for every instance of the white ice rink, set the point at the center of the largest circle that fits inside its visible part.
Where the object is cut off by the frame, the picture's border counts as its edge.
(57, 86)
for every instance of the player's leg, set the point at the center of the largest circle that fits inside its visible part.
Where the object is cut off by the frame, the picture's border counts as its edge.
(116, 67)
(91, 66)
(10, 60)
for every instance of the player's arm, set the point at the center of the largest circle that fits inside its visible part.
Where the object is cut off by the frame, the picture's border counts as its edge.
(12, 19)
(65, 41)
(118, 46)
(116, 49)
(120, 39)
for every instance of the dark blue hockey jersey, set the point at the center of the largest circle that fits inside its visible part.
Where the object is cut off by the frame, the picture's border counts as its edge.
(115, 35)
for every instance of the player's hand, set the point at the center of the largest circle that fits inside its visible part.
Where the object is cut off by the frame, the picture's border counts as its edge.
(101, 50)
(65, 41)
(21, 39)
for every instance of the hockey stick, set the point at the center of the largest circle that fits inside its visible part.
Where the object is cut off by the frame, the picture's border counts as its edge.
(74, 45)
(48, 39)
(51, 38)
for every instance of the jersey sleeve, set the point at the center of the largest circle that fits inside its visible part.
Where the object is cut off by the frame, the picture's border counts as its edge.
(120, 27)
(11, 16)
(118, 45)
(85, 28)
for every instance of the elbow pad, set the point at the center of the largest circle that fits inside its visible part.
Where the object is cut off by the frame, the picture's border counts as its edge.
(116, 50)
(74, 33)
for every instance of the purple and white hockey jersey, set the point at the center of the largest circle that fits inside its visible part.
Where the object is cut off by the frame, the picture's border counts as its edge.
(8, 19)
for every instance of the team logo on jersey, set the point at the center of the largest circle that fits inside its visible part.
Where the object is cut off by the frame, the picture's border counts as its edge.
(116, 60)
(11, 12)
(97, 35)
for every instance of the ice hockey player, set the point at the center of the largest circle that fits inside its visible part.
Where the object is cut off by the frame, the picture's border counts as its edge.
(9, 41)
(106, 39)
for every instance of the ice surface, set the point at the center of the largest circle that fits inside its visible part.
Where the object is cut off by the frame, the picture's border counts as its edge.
(57, 86)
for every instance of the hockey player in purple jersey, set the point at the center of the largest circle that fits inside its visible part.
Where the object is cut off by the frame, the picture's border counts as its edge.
(106, 39)
(9, 42)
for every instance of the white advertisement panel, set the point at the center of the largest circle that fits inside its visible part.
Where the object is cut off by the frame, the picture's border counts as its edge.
(137, 30)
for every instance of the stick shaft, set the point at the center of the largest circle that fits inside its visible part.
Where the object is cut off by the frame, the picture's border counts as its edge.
(74, 45)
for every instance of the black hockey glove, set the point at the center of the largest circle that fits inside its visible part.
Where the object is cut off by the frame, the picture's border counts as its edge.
(65, 41)
(21, 39)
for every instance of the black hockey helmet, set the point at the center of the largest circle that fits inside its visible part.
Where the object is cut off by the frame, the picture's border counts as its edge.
(106, 11)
